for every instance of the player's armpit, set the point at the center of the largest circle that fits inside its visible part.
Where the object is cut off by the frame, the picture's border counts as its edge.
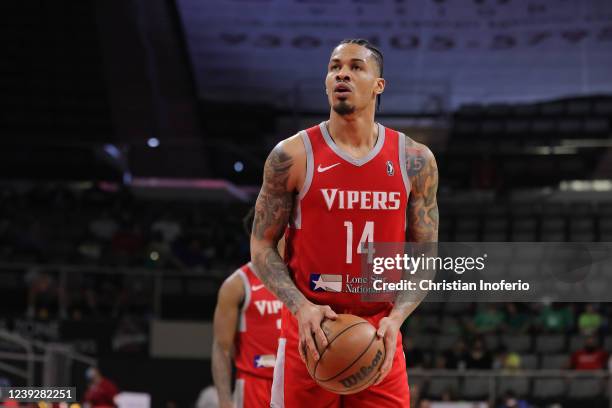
(422, 204)
(230, 297)
(273, 210)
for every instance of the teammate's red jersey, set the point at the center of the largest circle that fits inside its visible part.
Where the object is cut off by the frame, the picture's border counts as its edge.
(259, 326)
(344, 203)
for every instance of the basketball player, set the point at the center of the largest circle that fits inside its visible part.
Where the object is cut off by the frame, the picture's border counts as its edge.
(335, 186)
(246, 325)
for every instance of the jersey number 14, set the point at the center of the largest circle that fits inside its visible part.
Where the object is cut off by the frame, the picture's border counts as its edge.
(366, 236)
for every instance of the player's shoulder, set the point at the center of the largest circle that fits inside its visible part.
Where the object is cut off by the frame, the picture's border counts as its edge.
(418, 150)
(233, 286)
(293, 147)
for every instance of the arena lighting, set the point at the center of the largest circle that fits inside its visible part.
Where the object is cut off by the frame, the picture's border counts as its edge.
(153, 142)
(586, 185)
(548, 150)
(127, 177)
(586, 143)
(112, 151)
(238, 166)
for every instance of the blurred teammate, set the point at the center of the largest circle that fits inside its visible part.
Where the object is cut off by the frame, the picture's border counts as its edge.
(336, 186)
(246, 326)
(101, 391)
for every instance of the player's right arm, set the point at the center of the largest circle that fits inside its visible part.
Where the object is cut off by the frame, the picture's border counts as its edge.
(225, 322)
(284, 173)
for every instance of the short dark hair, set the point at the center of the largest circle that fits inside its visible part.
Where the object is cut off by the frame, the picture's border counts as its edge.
(365, 43)
(247, 221)
(378, 57)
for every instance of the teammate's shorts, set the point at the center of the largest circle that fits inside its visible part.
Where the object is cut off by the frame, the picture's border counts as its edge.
(252, 391)
(294, 388)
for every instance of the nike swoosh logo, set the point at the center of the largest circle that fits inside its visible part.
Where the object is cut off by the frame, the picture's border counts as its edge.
(256, 287)
(322, 169)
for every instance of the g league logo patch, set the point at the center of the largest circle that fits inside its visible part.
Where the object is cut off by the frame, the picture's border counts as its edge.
(390, 170)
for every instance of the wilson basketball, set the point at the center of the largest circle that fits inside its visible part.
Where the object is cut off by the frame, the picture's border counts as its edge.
(353, 356)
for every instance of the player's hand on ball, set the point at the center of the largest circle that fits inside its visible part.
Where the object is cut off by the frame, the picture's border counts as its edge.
(387, 330)
(310, 317)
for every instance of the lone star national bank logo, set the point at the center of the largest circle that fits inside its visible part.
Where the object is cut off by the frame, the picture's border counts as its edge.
(325, 282)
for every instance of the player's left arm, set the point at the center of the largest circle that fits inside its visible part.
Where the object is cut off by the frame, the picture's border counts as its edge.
(422, 216)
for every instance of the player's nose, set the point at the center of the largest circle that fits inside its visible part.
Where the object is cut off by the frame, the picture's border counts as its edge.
(343, 75)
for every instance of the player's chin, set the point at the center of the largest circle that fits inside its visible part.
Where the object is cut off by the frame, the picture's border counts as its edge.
(343, 107)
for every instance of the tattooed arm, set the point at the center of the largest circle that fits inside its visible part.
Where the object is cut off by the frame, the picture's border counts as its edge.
(422, 215)
(283, 173)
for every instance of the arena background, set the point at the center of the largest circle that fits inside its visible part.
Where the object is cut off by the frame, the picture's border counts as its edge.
(133, 138)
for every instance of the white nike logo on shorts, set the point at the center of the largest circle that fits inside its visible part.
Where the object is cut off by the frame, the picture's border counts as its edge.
(322, 169)
(255, 288)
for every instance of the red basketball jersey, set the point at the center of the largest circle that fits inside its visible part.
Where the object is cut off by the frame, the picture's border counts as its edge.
(345, 203)
(259, 326)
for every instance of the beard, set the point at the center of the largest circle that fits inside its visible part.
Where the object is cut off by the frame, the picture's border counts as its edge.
(343, 108)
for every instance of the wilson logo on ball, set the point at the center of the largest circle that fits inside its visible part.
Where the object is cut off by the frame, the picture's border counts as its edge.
(363, 373)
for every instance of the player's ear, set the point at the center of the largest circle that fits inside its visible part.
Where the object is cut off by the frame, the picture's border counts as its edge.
(380, 86)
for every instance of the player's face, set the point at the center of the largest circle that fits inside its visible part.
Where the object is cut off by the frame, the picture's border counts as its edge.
(353, 79)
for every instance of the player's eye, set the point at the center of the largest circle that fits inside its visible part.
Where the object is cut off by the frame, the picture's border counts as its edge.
(334, 67)
(357, 67)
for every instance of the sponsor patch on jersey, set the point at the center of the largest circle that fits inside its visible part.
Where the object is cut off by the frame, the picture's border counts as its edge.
(264, 360)
(325, 282)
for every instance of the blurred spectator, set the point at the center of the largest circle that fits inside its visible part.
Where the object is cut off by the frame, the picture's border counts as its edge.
(101, 391)
(130, 336)
(103, 227)
(590, 357)
(556, 318)
(168, 227)
(90, 250)
(424, 403)
(415, 357)
(127, 242)
(478, 358)
(415, 395)
(191, 254)
(488, 319)
(44, 294)
(208, 398)
(8, 403)
(510, 400)
(414, 324)
(514, 320)
(159, 253)
(456, 358)
(507, 360)
(589, 321)
(31, 240)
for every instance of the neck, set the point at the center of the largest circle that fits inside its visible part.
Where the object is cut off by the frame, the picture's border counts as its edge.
(357, 129)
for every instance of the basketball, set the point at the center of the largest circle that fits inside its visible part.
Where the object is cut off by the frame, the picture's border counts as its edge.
(352, 359)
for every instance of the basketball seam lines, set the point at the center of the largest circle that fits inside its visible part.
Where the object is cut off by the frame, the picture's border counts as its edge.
(354, 361)
(314, 370)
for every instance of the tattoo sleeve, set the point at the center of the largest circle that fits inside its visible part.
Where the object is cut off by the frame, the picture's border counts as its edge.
(272, 212)
(422, 215)
(422, 203)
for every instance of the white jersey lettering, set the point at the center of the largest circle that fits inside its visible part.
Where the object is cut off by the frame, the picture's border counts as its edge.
(362, 200)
